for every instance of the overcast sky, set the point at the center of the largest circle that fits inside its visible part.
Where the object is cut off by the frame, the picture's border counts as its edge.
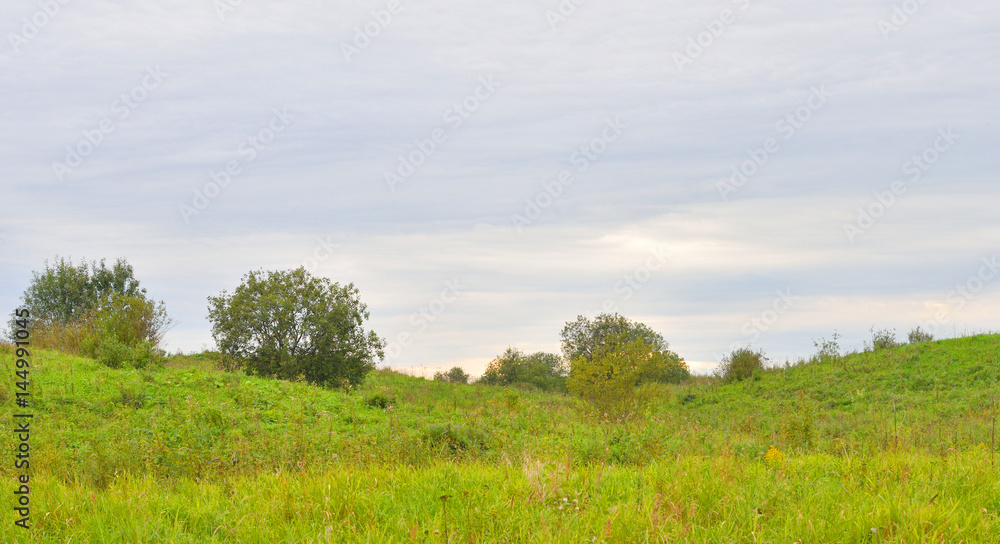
(729, 172)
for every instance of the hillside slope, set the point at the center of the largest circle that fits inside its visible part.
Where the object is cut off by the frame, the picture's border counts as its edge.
(894, 446)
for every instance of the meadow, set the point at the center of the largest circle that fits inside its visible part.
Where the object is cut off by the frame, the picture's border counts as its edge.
(895, 446)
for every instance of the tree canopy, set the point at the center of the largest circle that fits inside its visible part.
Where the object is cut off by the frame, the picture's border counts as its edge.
(290, 324)
(97, 311)
(63, 293)
(583, 337)
(545, 371)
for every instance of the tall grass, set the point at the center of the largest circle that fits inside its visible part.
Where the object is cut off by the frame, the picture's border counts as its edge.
(888, 446)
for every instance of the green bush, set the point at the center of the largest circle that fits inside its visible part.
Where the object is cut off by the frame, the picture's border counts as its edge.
(544, 371)
(379, 400)
(607, 380)
(96, 311)
(918, 336)
(454, 438)
(455, 375)
(827, 350)
(741, 364)
(881, 340)
(113, 353)
(291, 324)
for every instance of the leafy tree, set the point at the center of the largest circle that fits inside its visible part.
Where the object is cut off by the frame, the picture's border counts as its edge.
(741, 364)
(455, 375)
(64, 293)
(545, 371)
(289, 324)
(97, 311)
(583, 339)
(607, 380)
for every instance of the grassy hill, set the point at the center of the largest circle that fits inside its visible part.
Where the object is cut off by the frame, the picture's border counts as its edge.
(894, 446)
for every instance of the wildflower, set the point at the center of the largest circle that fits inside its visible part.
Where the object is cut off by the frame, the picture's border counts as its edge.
(774, 456)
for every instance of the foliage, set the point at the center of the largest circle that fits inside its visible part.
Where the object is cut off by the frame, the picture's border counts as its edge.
(93, 310)
(64, 293)
(455, 375)
(917, 336)
(741, 364)
(379, 400)
(583, 337)
(608, 379)
(827, 350)
(797, 424)
(881, 340)
(545, 371)
(191, 454)
(289, 324)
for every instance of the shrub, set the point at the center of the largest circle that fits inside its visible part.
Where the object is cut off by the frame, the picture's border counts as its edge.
(798, 424)
(607, 380)
(454, 438)
(585, 339)
(827, 350)
(881, 340)
(741, 364)
(379, 400)
(96, 311)
(455, 375)
(289, 324)
(918, 336)
(544, 371)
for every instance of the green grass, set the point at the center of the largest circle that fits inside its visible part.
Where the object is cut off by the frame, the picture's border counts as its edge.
(895, 446)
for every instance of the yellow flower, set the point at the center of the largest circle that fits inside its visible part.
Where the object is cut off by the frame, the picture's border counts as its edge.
(774, 456)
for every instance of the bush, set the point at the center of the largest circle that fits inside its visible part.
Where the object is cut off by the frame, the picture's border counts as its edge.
(544, 371)
(585, 339)
(881, 340)
(741, 364)
(455, 375)
(379, 400)
(114, 353)
(918, 336)
(607, 380)
(96, 311)
(827, 350)
(288, 324)
(455, 438)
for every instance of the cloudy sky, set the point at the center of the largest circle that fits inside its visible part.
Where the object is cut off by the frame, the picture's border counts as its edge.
(729, 172)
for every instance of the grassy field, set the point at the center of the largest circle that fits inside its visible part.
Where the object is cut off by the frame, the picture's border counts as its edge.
(894, 446)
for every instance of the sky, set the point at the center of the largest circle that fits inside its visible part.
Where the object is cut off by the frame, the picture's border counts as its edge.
(729, 172)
